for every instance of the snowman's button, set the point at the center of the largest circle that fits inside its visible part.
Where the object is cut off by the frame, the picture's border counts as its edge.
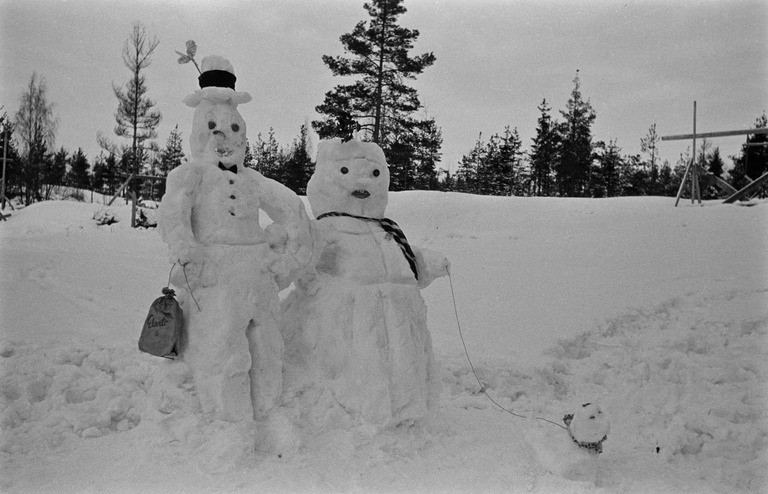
(231, 182)
(232, 196)
(231, 210)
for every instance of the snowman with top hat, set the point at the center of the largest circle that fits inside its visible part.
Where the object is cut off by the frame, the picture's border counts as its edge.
(229, 269)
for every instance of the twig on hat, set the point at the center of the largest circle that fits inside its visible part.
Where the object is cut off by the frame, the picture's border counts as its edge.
(190, 55)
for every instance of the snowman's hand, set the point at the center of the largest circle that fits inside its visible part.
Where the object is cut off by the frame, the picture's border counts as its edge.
(431, 265)
(277, 236)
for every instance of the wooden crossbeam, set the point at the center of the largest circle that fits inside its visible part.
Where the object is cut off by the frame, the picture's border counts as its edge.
(715, 180)
(755, 184)
(725, 133)
(125, 184)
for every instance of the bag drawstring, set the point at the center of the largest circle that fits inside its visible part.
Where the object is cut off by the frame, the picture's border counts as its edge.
(167, 289)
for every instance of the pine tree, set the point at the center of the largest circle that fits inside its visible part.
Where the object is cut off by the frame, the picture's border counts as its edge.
(606, 181)
(427, 142)
(298, 164)
(633, 176)
(78, 175)
(269, 157)
(379, 102)
(666, 180)
(98, 181)
(13, 166)
(543, 153)
(173, 153)
(507, 174)
(752, 162)
(469, 173)
(54, 171)
(574, 161)
(106, 173)
(715, 163)
(136, 120)
(487, 167)
(250, 160)
(649, 145)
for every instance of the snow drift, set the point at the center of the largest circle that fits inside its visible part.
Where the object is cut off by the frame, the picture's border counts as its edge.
(658, 313)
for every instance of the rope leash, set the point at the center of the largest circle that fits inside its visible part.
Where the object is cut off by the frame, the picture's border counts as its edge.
(472, 367)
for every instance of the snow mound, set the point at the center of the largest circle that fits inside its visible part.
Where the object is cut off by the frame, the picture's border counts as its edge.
(66, 216)
(51, 397)
(685, 381)
(671, 345)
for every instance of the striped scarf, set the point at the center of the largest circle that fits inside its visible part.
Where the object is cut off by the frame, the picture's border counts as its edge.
(390, 227)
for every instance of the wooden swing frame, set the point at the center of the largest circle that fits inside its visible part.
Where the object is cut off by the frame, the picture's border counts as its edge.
(695, 170)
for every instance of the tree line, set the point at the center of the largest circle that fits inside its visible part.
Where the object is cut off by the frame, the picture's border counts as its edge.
(378, 105)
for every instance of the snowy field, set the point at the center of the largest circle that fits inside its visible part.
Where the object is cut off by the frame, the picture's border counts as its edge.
(657, 313)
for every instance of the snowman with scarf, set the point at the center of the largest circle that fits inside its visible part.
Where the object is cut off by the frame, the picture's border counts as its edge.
(227, 267)
(356, 325)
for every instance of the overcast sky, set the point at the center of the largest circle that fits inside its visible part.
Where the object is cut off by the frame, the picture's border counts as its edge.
(640, 62)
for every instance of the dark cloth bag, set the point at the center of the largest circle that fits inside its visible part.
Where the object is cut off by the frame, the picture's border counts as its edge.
(161, 335)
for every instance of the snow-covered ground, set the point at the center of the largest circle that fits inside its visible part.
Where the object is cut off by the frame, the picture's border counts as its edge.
(657, 313)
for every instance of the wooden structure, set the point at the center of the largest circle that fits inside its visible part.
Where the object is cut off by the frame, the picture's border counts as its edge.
(748, 189)
(3, 199)
(696, 171)
(133, 197)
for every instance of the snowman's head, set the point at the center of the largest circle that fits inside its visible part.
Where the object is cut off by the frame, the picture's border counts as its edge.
(590, 424)
(218, 129)
(218, 133)
(350, 177)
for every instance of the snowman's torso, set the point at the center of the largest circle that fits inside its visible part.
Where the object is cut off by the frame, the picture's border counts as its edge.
(226, 208)
(360, 326)
(361, 252)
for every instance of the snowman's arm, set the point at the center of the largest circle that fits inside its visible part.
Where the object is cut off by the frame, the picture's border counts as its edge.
(280, 203)
(175, 212)
(431, 265)
(284, 207)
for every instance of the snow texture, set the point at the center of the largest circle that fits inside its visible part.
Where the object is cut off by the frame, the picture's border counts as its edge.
(657, 313)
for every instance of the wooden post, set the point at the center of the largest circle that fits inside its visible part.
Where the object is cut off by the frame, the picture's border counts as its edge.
(695, 192)
(5, 158)
(133, 209)
(3, 199)
(682, 182)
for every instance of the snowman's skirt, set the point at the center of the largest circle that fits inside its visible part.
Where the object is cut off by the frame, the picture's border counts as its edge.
(364, 349)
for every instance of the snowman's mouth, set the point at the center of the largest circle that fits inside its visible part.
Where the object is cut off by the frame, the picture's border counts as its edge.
(361, 194)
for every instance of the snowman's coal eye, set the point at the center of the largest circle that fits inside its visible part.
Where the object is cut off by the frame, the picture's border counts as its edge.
(211, 125)
(376, 172)
(344, 170)
(235, 127)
